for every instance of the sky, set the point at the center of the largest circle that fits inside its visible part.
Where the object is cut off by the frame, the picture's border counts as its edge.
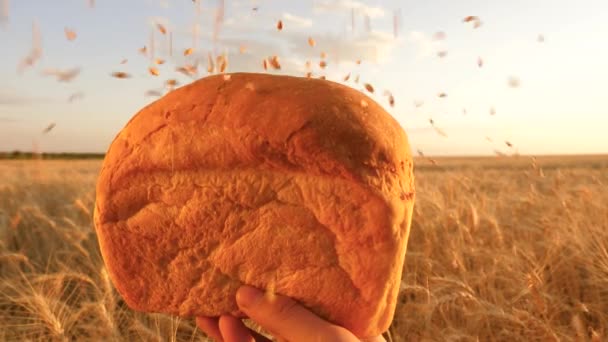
(558, 107)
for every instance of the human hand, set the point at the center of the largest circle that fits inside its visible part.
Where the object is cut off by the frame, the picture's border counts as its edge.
(283, 317)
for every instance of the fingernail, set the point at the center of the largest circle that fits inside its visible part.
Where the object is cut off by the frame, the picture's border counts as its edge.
(247, 296)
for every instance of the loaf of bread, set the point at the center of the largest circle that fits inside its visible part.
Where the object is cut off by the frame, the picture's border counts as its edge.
(298, 186)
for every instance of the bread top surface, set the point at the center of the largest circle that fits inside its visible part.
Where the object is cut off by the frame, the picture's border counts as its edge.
(263, 121)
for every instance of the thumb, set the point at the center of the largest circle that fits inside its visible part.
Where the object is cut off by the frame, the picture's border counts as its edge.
(287, 319)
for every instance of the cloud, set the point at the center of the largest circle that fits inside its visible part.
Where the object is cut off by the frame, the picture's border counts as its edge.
(291, 44)
(375, 46)
(293, 51)
(246, 20)
(252, 59)
(426, 45)
(9, 97)
(348, 5)
(296, 20)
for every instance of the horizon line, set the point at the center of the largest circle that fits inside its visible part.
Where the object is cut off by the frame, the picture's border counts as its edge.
(101, 154)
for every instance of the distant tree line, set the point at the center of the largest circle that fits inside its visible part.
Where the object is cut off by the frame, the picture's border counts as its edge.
(19, 155)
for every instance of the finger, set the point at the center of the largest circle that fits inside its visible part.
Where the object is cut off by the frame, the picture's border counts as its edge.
(375, 339)
(284, 317)
(257, 337)
(211, 327)
(233, 330)
(242, 332)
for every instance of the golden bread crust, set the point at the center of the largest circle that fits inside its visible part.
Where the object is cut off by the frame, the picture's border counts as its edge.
(280, 182)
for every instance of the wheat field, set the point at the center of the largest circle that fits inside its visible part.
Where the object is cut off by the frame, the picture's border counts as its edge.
(501, 249)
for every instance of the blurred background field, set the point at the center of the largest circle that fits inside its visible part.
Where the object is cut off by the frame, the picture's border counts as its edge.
(501, 248)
